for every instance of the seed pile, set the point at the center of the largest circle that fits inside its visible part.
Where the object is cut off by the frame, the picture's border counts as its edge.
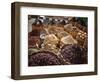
(44, 58)
(73, 53)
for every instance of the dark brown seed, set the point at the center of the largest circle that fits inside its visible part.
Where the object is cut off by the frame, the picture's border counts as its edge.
(43, 58)
(74, 53)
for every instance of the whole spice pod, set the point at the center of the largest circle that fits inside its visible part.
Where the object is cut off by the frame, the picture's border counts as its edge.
(74, 53)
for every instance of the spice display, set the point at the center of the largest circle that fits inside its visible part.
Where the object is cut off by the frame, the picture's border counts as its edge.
(57, 40)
